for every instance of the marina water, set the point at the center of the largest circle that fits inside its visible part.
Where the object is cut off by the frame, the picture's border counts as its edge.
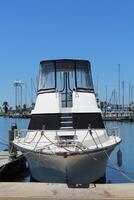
(125, 173)
(114, 173)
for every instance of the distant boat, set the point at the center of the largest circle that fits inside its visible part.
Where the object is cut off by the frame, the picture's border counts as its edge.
(66, 141)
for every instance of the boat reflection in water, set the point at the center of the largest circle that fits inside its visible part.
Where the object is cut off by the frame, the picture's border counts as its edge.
(66, 141)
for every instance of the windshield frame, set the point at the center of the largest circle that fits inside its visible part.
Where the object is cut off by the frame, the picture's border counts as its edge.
(76, 87)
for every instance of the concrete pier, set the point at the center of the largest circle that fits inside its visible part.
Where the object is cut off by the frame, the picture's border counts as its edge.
(33, 191)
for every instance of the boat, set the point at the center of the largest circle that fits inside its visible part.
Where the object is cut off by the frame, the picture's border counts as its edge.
(66, 140)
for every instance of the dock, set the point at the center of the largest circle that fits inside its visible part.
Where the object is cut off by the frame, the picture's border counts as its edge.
(118, 116)
(5, 157)
(10, 168)
(33, 191)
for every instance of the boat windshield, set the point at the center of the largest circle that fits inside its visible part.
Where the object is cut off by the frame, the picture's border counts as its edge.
(56, 75)
(47, 76)
(83, 76)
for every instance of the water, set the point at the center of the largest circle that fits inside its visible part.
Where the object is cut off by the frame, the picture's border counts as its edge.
(114, 174)
(125, 173)
(5, 125)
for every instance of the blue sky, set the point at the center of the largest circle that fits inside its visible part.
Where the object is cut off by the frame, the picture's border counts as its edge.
(101, 31)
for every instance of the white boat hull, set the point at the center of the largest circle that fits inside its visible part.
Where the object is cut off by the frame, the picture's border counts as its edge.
(72, 169)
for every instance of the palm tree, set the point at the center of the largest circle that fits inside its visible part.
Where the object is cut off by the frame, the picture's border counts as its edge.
(5, 107)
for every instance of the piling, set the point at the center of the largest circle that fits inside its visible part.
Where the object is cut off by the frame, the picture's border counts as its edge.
(12, 150)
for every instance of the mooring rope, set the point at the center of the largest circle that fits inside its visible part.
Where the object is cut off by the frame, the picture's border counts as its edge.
(113, 166)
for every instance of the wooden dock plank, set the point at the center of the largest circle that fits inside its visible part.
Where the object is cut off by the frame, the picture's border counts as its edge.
(4, 157)
(11, 167)
(45, 191)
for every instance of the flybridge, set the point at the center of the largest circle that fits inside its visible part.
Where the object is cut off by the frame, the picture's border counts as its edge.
(65, 75)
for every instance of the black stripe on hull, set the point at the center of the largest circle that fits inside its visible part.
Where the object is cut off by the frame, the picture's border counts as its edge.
(52, 121)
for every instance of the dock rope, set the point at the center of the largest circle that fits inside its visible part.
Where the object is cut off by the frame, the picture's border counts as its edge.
(112, 166)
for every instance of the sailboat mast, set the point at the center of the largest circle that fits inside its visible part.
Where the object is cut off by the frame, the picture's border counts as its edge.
(119, 85)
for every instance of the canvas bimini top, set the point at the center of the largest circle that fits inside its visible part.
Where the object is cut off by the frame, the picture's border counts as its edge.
(53, 74)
